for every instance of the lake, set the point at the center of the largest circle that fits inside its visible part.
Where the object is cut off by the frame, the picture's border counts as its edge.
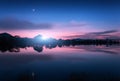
(73, 63)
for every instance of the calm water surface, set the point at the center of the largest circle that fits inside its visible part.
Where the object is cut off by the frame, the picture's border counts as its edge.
(78, 63)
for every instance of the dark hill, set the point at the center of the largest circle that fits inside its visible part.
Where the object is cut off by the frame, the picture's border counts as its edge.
(5, 35)
(6, 39)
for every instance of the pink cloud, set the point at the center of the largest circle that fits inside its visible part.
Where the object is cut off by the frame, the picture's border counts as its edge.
(112, 34)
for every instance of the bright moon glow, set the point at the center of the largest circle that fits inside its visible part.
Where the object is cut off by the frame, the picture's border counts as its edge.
(44, 37)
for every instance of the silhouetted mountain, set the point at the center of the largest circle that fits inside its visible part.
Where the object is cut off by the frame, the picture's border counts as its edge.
(5, 35)
(38, 37)
(6, 39)
(12, 43)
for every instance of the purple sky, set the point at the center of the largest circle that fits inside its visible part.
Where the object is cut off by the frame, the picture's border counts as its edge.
(61, 18)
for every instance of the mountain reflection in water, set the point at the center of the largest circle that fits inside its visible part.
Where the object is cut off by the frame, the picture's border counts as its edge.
(60, 63)
(110, 49)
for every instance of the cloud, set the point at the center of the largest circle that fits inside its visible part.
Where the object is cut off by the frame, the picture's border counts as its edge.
(71, 24)
(16, 24)
(104, 32)
(111, 34)
(76, 24)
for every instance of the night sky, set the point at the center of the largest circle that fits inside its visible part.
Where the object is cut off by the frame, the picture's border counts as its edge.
(61, 18)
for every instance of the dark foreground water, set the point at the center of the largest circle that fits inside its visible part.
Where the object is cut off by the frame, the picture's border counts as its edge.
(79, 63)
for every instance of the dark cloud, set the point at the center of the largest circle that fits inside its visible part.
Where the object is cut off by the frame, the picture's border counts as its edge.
(94, 35)
(104, 32)
(16, 24)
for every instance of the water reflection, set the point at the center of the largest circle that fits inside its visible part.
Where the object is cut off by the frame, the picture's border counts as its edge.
(63, 63)
(114, 49)
(109, 49)
(38, 48)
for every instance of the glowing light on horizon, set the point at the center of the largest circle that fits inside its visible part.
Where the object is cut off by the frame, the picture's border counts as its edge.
(45, 37)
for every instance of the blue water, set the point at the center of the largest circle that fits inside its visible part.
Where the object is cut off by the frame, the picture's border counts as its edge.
(79, 63)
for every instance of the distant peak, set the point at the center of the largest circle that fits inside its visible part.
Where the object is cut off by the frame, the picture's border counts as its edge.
(5, 34)
(38, 36)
